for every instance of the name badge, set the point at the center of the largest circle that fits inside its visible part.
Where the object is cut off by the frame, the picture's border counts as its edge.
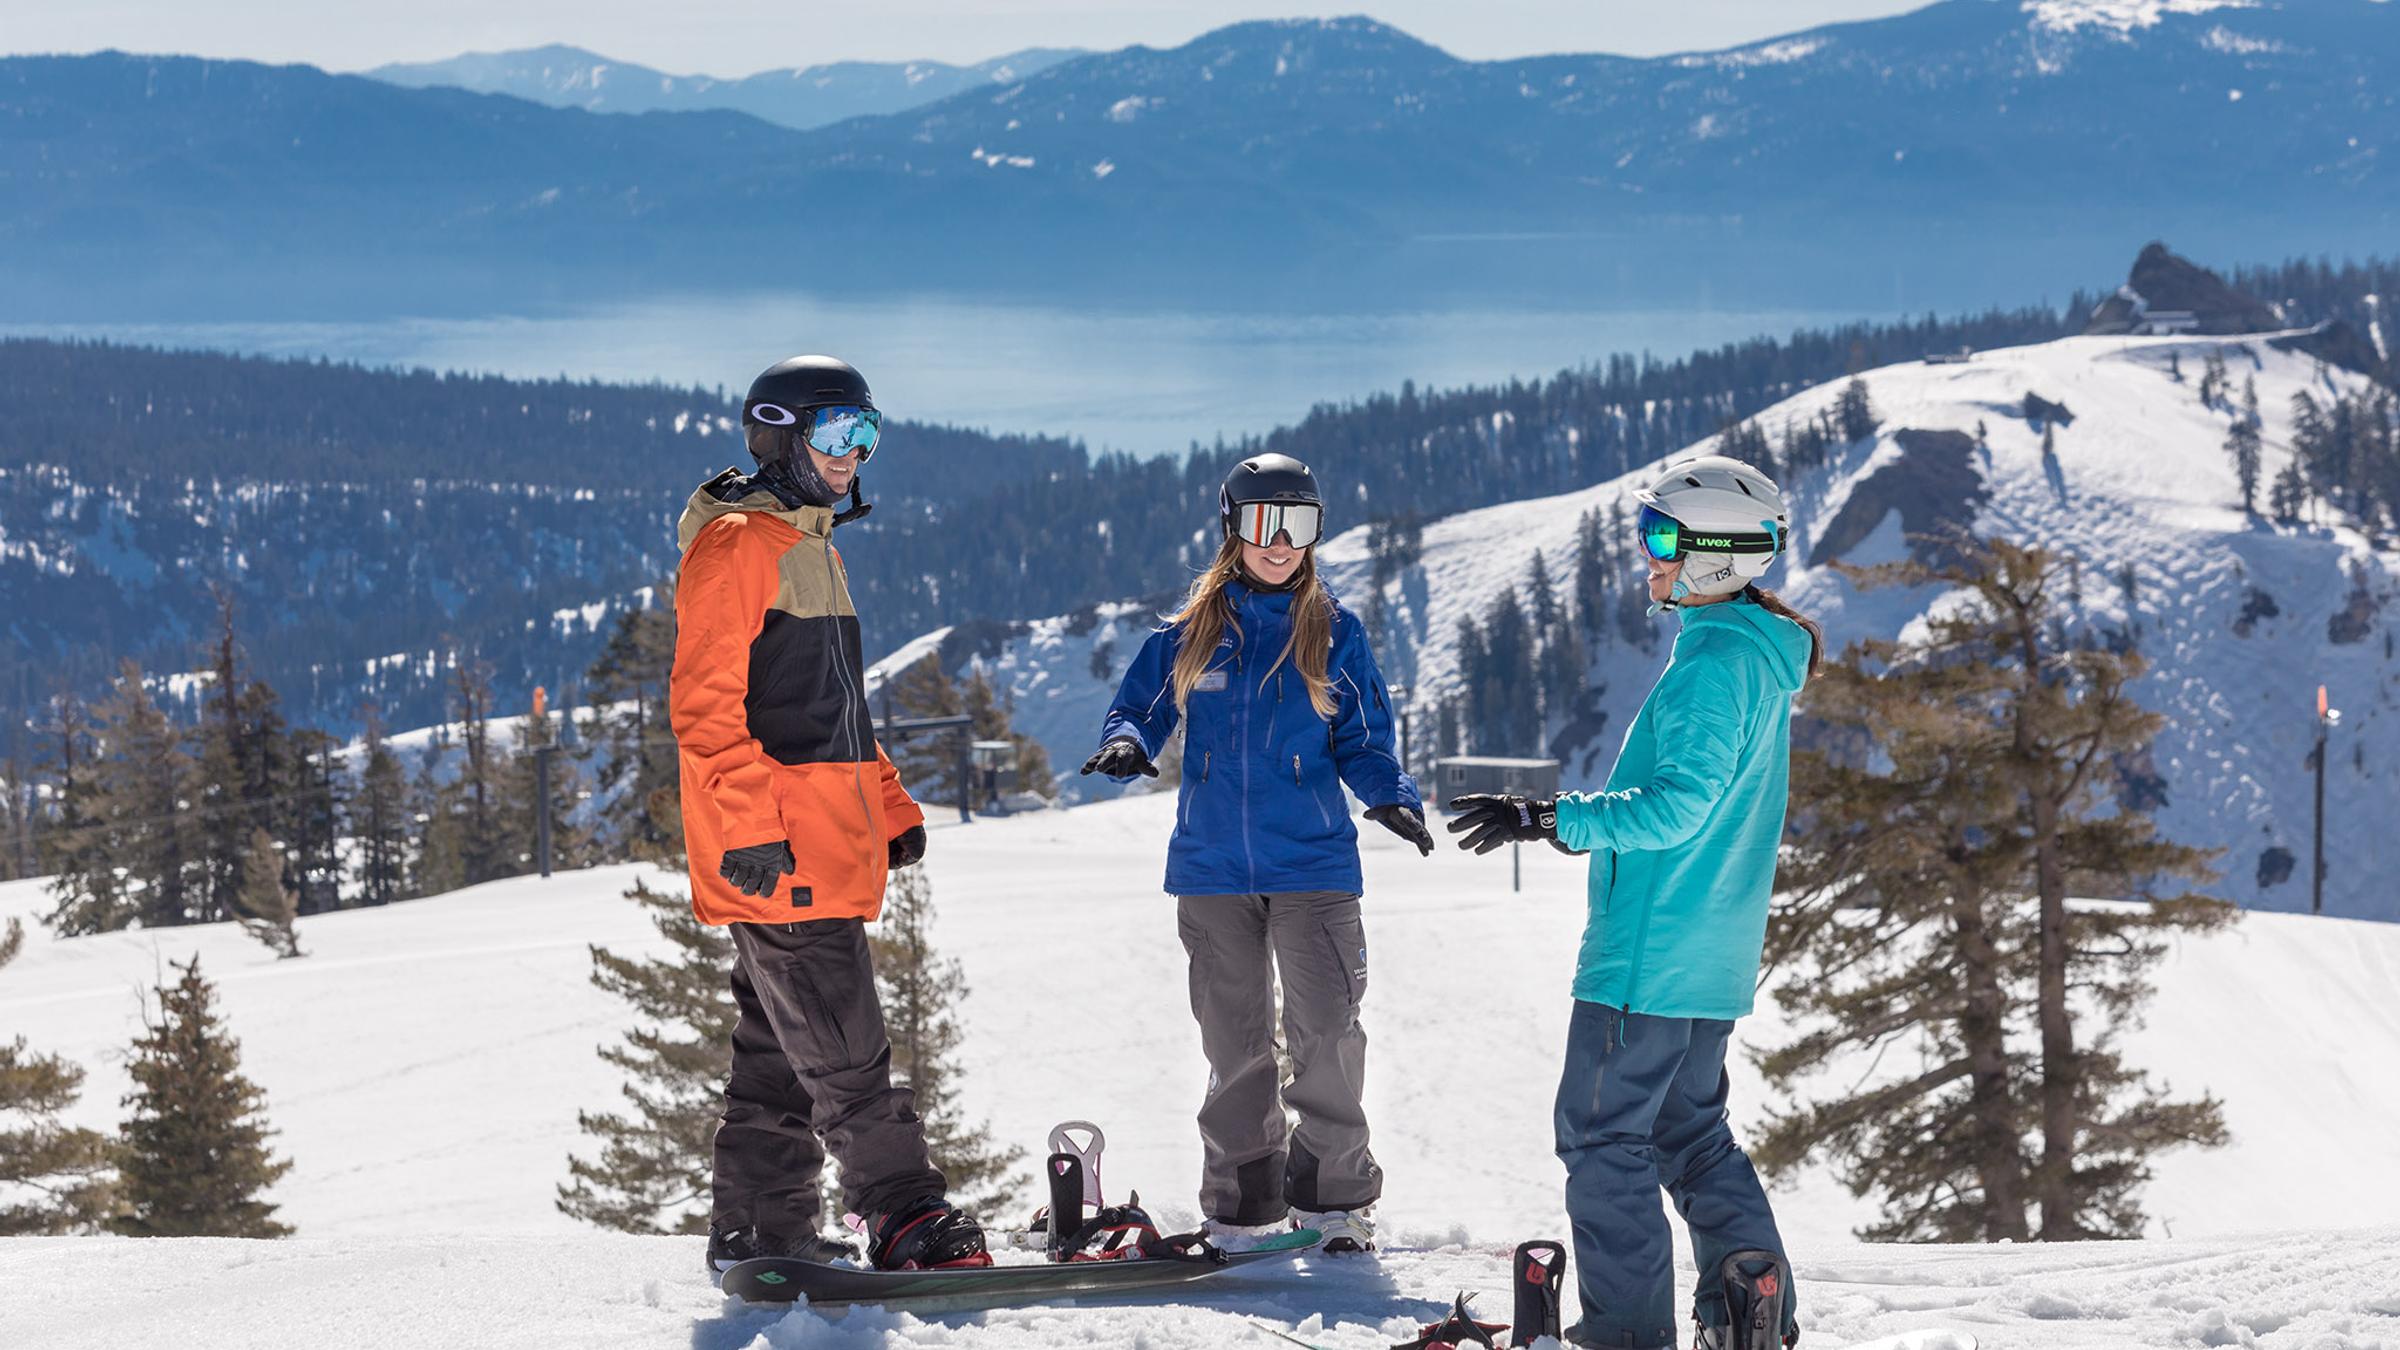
(1210, 682)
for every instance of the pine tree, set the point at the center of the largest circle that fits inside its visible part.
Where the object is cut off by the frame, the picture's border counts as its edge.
(1932, 906)
(440, 864)
(927, 764)
(652, 1172)
(2242, 445)
(195, 1159)
(636, 776)
(379, 818)
(520, 798)
(921, 990)
(1855, 412)
(490, 844)
(2290, 493)
(130, 861)
(57, 1177)
(1029, 764)
(265, 905)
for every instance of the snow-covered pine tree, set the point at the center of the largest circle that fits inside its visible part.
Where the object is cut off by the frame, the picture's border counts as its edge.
(1932, 907)
(194, 1159)
(921, 990)
(56, 1177)
(2290, 493)
(265, 905)
(652, 1171)
(379, 818)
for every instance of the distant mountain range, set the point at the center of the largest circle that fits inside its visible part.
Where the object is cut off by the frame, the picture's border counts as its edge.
(1272, 162)
(811, 96)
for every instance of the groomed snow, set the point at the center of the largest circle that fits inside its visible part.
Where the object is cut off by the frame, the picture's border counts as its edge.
(425, 1063)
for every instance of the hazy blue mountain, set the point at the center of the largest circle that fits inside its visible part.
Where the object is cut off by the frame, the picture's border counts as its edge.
(1973, 138)
(802, 97)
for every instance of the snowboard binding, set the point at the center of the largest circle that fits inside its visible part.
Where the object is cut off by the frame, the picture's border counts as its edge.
(1539, 1267)
(1077, 1225)
(1756, 1288)
(1458, 1331)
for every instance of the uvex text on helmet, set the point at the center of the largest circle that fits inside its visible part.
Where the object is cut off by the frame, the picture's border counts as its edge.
(785, 390)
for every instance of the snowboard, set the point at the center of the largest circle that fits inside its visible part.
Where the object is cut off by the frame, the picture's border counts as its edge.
(772, 1279)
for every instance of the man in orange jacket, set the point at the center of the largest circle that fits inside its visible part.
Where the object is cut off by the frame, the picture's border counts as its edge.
(793, 817)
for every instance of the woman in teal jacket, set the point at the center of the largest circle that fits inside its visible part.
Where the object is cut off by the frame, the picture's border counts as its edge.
(1683, 842)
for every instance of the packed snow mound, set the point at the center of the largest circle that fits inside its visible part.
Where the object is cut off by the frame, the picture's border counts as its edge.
(2240, 618)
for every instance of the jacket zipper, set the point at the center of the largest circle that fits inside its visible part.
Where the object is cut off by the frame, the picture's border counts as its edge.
(853, 697)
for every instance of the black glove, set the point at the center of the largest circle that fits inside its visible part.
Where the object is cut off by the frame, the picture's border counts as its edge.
(1121, 758)
(1405, 822)
(1489, 820)
(908, 847)
(755, 870)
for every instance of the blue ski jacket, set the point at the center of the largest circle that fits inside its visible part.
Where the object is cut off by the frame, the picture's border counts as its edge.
(1260, 808)
(1685, 833)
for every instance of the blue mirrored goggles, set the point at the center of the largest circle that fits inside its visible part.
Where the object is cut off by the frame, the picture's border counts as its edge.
(838, 430)
(1667, 539)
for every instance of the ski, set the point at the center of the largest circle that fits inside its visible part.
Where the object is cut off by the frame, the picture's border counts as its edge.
(782, 1280)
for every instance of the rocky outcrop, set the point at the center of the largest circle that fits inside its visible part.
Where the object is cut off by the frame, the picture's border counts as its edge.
(2168, 293)
(1934, 485)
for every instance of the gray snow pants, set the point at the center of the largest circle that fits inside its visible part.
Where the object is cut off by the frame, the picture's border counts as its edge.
(1256, 1165)
(811, 1063)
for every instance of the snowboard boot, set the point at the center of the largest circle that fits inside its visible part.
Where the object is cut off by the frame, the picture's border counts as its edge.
(728, 1247)
(1756, 1289)
(1346, 1232)
(926, 1235)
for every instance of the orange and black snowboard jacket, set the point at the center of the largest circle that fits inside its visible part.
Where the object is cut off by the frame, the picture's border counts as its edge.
(768, 699)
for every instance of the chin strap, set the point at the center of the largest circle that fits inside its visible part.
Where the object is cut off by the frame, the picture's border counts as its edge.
(859, 505)
(1674, 598)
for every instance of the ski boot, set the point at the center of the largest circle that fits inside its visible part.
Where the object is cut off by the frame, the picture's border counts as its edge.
(926, 1235)
(1757, 1288)
(728, 1247)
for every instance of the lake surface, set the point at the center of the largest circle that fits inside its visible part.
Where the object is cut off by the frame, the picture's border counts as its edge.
(1146, 380)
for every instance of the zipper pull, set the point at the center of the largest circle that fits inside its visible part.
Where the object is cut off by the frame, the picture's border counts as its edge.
(1205, 757)
(1295, 771)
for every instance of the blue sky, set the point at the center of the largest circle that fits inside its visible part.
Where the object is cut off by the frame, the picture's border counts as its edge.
(736, 37)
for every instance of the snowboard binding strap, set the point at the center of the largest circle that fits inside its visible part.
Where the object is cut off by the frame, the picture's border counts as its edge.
(1458, 1331)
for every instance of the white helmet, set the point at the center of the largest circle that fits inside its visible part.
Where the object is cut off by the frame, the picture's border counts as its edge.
(1724, 519)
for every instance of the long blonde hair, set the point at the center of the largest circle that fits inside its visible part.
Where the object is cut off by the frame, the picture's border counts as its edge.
(1207, 613)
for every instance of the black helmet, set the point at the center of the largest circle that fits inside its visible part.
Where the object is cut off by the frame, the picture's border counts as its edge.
(790, 388)
(1279, 479)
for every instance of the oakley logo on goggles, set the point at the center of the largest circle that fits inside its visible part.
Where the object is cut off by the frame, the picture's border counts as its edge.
(837, 429)
(1259, 522)
(1666, 539)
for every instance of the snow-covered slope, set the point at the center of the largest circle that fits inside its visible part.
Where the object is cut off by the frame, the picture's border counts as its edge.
(2140, 479)
(424, 1066)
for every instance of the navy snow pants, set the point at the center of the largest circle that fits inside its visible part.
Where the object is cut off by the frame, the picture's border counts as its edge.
(1641, 1106)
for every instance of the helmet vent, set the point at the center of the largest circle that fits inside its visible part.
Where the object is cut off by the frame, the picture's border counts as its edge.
(1745, 487)
(1691, 480)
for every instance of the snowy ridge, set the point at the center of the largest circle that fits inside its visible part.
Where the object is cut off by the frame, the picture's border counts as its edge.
(2121, 17)
(427, 1147)
(2141, 478)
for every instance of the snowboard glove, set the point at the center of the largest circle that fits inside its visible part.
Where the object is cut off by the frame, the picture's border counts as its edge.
(908, 847)
(1121, 758)
(1489, 819)
(1405, 822)
(757, 869)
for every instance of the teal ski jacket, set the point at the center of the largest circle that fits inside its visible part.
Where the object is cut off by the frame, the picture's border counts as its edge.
(1684, 835)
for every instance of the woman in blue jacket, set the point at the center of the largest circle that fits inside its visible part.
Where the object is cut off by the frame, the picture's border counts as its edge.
(1683, 841)
(1281, 705)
